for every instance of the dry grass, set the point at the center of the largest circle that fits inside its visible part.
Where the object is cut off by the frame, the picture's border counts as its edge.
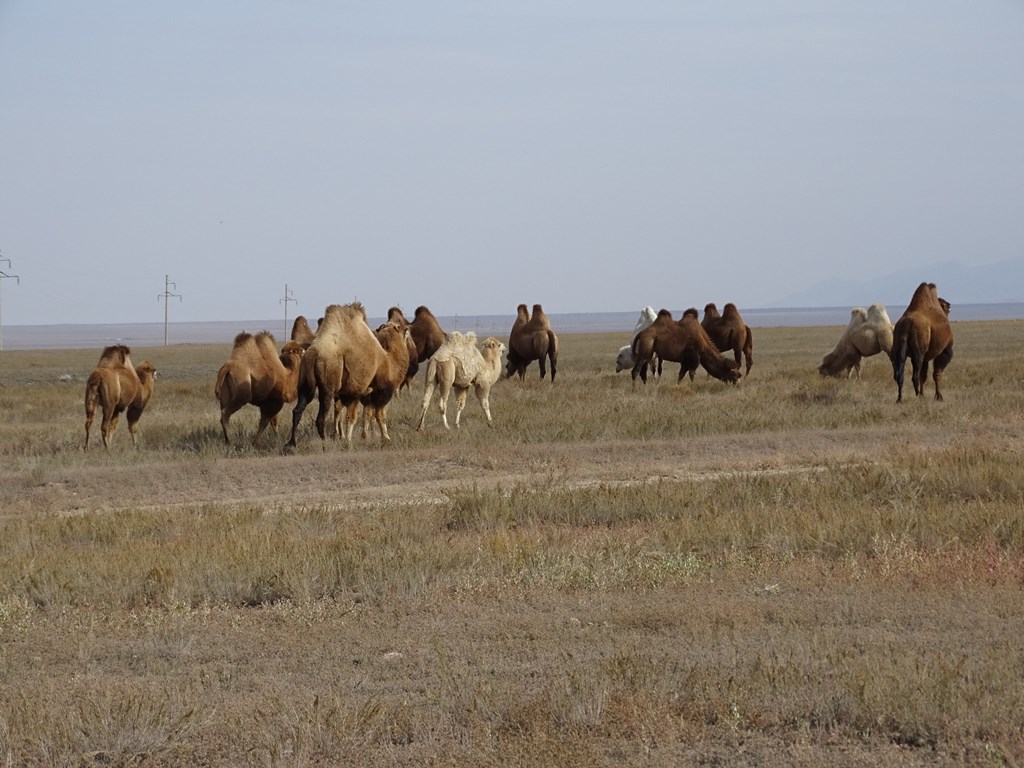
(792, 571)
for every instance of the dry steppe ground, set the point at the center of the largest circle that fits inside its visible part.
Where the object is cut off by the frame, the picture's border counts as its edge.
(790, 571)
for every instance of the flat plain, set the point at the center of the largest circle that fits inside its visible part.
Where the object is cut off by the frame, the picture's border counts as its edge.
(789, 571)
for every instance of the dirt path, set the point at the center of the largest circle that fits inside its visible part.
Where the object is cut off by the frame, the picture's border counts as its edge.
(366, 477)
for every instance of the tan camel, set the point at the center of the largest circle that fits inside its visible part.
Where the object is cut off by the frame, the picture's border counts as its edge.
(338, 368)
(301, 332)
(426, 332)
(116, 386)
(923, 333)
(728, 332)
(531, 339)
(459, 365)
(387, 380)
(257, 374)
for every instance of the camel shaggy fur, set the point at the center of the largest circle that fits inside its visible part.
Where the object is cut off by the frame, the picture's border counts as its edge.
(426, 332)
(868, 333)
(686, 343)
(256, 374)
(531, 339)
(338, 368)
(390, 374)
(459, 365)
(301, 332)
(116, 386)
(624, 359)
(923, 333)
(728, 331)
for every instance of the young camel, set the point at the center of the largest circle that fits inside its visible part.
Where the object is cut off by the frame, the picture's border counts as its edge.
(459, 365)
(116, 386)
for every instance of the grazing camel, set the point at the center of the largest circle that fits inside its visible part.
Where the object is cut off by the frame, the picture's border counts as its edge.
(427, 334)
(923, 333)
(868, 333)
(301, 332)
(338, 368)
(686, 343)
(531, 339)
(257, 374)
(459, 365)
(117, 386)
(728, 332)
(624, 359)
(390, 374)
(664, 320)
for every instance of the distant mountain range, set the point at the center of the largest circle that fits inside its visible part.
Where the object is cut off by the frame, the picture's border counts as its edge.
(985, 284)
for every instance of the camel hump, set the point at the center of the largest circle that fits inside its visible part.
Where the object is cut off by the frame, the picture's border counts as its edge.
(664, 314)
(711, 310)
(116, 354)
(690, 312)
(730, 311)
(422, 310)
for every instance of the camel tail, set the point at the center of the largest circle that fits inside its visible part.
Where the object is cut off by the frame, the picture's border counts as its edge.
(222, 376)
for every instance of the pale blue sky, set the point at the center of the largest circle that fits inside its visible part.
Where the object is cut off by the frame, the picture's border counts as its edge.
(591, 156)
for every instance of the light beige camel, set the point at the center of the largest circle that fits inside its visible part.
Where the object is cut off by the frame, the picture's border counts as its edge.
(116, 386)
(257, 374)
(459, 365)
(868, 333)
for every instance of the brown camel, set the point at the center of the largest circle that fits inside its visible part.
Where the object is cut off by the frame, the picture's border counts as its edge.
(426, 332)
(686, 343)
(117, 386)
(923, 333)
(531, 339)
(301, 332)
(728, 331)
(414, 359)
(338, 368)
(256, 374)
(459, 365)
(387, 380)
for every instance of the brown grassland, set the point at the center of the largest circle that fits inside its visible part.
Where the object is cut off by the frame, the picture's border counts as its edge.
(790, 571)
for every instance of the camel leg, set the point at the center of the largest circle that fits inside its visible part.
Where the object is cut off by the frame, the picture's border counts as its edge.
(460, 403)
(382, 423)
(89, 413)
(351, 413)
(133, 425)
(326, 404)
(939, 366)
(300, 406)
(483, 394)
(268, 415)
(427, 395)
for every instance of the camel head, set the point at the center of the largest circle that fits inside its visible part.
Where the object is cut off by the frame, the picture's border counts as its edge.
(291, 354)
(145, 370)
(946, 306)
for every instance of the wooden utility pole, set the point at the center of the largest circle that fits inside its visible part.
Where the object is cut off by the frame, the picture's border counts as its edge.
(285, 300)
(5, 276)
(166, 295)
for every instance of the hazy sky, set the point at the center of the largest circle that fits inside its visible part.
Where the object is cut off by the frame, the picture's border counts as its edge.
(473, 155)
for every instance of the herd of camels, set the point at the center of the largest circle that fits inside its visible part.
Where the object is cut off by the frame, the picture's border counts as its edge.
(345, 364)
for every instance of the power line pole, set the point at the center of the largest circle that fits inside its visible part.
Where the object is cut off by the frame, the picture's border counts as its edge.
(5, 276)
(166, 295)
(285, 300)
